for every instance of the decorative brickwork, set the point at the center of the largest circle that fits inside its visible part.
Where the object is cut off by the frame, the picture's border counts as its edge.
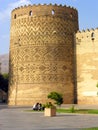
(42, 53)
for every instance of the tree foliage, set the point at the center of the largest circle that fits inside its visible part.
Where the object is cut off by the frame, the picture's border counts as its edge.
(57, 97)
(97, 85)
(4, 82)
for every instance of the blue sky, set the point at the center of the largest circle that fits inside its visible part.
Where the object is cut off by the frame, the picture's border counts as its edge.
(87, 12)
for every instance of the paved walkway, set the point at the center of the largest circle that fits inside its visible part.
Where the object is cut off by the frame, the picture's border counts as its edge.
(18, 119)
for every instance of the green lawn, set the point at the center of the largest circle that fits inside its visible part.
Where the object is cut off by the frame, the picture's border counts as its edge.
(80, 111)
(90, 128)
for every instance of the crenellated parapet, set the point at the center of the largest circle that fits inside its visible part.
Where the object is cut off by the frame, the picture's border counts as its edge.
(88, 35)
(87, 30)
(39, 10)
(37, 5)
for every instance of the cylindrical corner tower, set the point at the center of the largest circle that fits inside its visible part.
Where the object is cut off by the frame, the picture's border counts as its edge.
(42, 53)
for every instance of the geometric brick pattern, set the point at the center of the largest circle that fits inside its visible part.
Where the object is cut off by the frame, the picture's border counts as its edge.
(42, 50)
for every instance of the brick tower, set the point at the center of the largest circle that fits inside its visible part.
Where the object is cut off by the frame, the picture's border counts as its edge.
(42, 53)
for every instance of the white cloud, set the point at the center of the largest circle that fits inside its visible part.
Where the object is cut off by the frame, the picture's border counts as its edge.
(5, 14)
(19, 3)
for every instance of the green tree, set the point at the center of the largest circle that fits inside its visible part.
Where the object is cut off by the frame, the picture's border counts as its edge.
(1, 80)
(57, 97)
(4, 82)
(97, 87)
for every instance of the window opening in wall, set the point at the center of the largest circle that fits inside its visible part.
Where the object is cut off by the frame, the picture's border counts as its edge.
(30, 13)
(79, 40)
(15, 16)
(53, 12)
(92, 36)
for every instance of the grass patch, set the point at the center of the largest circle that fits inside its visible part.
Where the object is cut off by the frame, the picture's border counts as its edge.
(61, 110)
(93, 111)
(80, 111)
(96, 128)
(87, 111)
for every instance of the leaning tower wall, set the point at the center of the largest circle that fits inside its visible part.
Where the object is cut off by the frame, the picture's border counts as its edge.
(42, 53)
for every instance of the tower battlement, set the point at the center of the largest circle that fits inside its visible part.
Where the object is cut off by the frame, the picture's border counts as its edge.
(87, 36)
(45, 10)
(88, 30)
(37, 5)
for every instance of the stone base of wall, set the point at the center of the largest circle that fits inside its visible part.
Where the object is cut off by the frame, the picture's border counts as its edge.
(29, 94)
(31, 102)
(88, 100)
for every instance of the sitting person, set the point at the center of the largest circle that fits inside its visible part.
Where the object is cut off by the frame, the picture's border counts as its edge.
(35, 106)
(38, 107)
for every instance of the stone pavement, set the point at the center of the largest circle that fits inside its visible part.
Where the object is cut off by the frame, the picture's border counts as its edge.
(16, 118)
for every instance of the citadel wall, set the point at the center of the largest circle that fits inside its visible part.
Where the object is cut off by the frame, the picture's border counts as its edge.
(42, 53)
(87, 66)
